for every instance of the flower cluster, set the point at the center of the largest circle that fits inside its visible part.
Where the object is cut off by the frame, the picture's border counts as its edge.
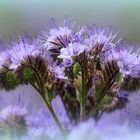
(93, 52)
(90, 70)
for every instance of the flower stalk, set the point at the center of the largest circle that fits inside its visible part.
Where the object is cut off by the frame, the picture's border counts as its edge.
(42, 93)
(83, 95)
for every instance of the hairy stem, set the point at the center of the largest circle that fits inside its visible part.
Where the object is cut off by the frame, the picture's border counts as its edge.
(49, 107)
(83, 95)
(41, 91)
(52, 113)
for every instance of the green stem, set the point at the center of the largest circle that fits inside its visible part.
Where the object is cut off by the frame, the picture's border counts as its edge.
(42, 94)
(49, 107)
(53, 113)
(94, 109)
(83, 95)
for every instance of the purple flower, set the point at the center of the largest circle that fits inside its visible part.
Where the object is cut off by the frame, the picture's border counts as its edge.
(21, 51)
(99, 36)
(58, 71)
(4, 59)
(59, 35)
(73, 49)
(12, 111)
(13, 118)
(127, 61)
(67, 63)
(42, 124)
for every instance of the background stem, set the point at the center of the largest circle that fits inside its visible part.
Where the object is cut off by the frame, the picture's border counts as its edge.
(49, 107)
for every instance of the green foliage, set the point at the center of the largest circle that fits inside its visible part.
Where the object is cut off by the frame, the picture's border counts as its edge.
(106, 78)
(105, 102)
(76, 69)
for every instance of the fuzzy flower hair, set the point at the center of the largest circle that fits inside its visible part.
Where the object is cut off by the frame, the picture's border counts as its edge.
(20, 51)
(58, 71)
(127, 60)
(13, 116)
(59, 36)
(99, 36)
(4, 59)
(90, 131)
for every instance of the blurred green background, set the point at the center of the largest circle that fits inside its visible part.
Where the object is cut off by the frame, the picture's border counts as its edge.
(20, 15)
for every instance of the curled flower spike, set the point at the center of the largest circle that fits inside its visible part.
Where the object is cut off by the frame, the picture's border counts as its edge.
(129, 66)
(7, 76)
(21, 51)
(59, 36)
(99, 36)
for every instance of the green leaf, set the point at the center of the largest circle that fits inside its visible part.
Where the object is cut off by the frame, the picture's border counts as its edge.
(76, 69)
(105, 102)
(104, 83)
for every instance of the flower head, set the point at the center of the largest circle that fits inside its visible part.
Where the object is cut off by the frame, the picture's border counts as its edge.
(127, 61)
(13, 118)
(4, 59)
(21, 51)
(58, 71)
(73, 49)
(59, 36)
(99, 36)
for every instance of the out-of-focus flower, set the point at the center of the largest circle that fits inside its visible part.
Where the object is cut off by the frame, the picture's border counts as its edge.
(42, 125)
(89, 131)
(13, 113)
(13, 119)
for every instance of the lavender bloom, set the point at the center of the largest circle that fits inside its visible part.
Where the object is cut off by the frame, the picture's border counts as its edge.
(21, 51)
(42, 124)
(89, 131)
(99, 36)
(127, 61)
(59, 35)
(13, 113)
(4, 59)
(10, 114)
(67, 63)
(12, 110)
(13, 119)
(58, 71)
(73, 49)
